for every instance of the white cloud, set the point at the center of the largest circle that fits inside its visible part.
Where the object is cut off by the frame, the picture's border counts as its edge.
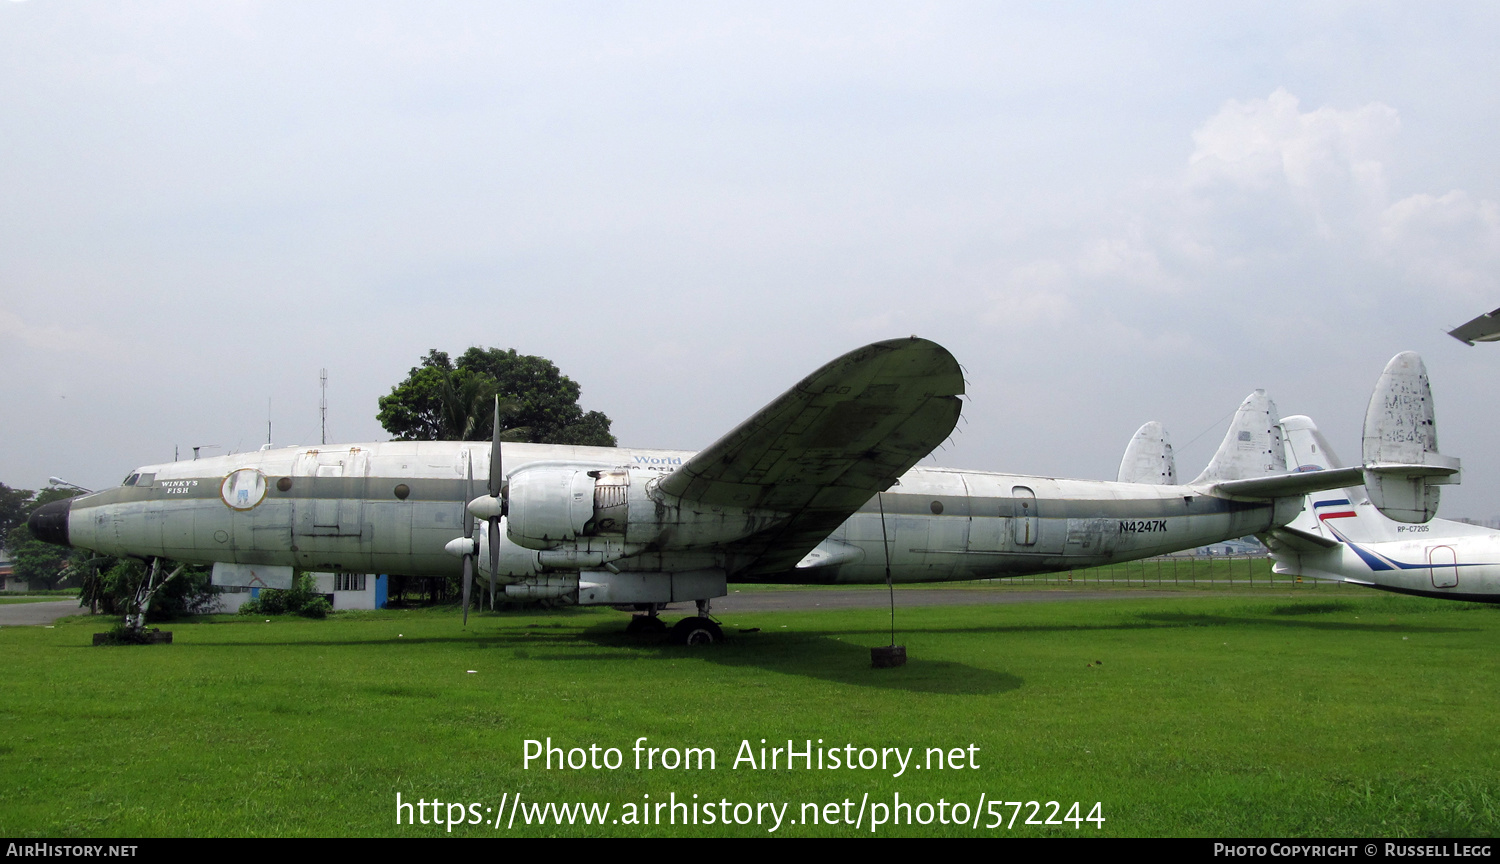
(1261, 143)
(1450, 241)
(14, 328)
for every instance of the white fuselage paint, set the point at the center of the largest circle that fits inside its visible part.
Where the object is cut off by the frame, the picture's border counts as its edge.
(341, 509)
(1453, 560)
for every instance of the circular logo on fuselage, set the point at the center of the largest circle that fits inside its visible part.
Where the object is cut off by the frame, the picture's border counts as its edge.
(243, 489)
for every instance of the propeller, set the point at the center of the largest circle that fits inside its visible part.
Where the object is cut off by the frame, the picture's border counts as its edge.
(497, 480)
(489, 507)
(470, 545)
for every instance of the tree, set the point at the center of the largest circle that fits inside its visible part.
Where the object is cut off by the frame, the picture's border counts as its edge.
(15, 506)
(124, 586)
(444, 400)
(37, 563)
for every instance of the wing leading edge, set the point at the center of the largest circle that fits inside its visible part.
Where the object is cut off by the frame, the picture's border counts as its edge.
(823, 448)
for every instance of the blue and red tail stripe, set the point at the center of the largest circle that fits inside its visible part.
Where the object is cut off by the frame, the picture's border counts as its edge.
(1333, 508)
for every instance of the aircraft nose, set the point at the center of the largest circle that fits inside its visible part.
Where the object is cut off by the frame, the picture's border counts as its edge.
(49, 522)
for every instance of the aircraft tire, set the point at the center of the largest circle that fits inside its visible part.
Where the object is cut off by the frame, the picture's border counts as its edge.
(696, 631)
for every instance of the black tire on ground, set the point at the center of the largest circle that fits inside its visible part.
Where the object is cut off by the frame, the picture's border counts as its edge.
(696, 631)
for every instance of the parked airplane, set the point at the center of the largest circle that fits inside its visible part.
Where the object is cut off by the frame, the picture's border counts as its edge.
(1342, 537)
(817, 487)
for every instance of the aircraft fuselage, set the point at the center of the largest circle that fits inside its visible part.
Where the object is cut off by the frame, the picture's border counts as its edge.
(392, 507)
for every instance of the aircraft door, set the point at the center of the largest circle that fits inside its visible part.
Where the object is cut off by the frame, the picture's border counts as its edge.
(1443, 563)
(1025, 520)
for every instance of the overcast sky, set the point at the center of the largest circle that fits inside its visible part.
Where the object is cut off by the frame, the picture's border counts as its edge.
(1110, 213)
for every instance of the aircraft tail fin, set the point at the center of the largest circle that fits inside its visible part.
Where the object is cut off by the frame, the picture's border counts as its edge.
(1253, 446)
(1308, 451)
(1403, 468)
(1148, 458)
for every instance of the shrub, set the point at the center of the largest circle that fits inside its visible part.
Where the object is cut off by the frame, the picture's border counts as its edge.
(301, 599)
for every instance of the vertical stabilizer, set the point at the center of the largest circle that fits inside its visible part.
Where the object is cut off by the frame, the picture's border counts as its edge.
(1253, 446)
(1148, 458)
(1400, 431)
(1306, 451)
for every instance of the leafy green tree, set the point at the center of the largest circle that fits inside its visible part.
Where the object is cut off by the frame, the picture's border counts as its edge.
(39, 564)
(444, 400)
(15, 506)
(111, 584)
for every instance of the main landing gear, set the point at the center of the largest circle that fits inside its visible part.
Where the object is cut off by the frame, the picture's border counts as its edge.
(697, 630)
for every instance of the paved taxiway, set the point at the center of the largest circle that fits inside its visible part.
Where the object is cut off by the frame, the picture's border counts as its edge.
(45, 612)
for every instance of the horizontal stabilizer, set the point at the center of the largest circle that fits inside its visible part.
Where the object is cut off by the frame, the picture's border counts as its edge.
(1148, 458)
(1403, 468)
(1290, 485)
(1300, 541)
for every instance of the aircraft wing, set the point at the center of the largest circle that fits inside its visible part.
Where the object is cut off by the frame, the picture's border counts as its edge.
(1485, 328)
(822, 449)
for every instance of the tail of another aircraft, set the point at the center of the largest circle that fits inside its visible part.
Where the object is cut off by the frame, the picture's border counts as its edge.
(1307, 450)
(1148, 458)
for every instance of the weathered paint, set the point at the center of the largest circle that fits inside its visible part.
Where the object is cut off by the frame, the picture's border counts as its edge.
(365, 527)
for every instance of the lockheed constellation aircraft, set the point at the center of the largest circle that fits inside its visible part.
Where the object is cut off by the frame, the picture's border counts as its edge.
(820, 486)
(1341, 536)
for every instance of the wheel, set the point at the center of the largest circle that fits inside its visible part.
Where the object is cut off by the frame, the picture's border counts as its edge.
(646, 624)
(696, 631)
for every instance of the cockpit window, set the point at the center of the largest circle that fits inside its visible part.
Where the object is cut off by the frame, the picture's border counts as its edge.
(146, 480)
(130, 481)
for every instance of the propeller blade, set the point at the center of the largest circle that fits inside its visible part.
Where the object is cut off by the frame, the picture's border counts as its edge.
(469, 535)
(469, 520)
(468, 583)
(497, 473)
(494, 557)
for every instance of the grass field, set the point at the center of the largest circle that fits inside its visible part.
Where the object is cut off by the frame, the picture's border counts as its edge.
(1252, 712)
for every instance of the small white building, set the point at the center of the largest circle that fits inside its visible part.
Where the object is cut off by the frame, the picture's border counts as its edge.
(8, 582)
(352, 590)
(343, 590)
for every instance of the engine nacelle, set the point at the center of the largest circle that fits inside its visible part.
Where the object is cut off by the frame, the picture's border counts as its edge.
(549, 506)
(604, 514)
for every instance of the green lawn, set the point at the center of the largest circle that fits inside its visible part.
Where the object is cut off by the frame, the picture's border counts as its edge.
(1252, 712)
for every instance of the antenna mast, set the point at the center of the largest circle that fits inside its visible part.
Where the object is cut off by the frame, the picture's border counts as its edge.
(323, 401)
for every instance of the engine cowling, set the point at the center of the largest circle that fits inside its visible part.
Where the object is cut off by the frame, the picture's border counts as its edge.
(604, 514)
(549, 506)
